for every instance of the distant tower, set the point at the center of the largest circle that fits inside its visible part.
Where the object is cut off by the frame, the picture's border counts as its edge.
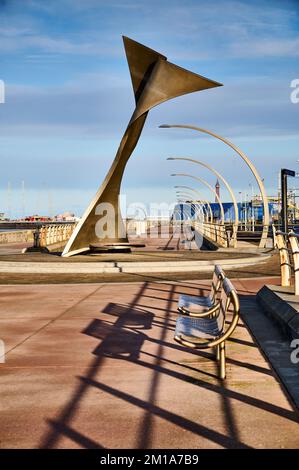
(217, 189)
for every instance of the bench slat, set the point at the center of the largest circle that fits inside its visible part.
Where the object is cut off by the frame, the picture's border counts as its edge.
(194, 329)
(194, 303)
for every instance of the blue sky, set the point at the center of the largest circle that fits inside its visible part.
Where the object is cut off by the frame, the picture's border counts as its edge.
(69, 96)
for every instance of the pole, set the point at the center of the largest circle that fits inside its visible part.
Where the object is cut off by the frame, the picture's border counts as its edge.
(252, 208)
(245, 215)
(241, 211)
(284, 202)
(284, 198)
(266, 217)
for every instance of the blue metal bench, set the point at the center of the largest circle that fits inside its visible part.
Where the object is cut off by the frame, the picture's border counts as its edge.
(210, 332)
(194, 305)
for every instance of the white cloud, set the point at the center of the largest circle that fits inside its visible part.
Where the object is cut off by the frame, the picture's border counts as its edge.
(267, 48)
(101, 104)
(192, 31)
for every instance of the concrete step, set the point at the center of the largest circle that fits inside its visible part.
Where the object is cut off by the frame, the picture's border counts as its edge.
(126, 267)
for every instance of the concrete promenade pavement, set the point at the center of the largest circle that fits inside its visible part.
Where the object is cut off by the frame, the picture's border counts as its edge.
(95, 366)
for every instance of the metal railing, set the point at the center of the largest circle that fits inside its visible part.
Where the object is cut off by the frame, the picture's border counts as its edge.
(48, 235)
(288, 246)
(215, 232)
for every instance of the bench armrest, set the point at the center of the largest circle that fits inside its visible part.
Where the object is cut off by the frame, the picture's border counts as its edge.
(209, 312)
(189, 313)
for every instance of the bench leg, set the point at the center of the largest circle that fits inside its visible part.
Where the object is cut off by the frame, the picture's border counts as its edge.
(217, 353)
(222, 360)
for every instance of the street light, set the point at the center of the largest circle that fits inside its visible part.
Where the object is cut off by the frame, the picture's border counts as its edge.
(205, 165)
(195, 202)
(209, 186)
(199, 194)
(184, 198)
(259, 181)
(198, 208)
(252, 207)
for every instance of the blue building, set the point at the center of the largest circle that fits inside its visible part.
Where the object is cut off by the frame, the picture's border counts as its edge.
(247, 211)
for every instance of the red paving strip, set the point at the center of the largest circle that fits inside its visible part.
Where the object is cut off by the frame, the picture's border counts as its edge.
(95, 365)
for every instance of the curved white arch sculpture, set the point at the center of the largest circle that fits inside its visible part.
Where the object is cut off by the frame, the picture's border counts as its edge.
(208, 186)
(186, 198)
(199, 194)
(229, 188)
(205, 204)
(248, 162)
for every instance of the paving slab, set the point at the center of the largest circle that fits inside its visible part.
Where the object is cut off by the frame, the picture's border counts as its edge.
(95, 365)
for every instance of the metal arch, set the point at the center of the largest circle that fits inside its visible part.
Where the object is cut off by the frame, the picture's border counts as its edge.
(188, 198)
(176, 210)
(203, 200)
(229, 188)
(208, 186)
(254, 171)
(196, 209)
(185, 212)
(197, 205)
(154, 80)
(192, 197)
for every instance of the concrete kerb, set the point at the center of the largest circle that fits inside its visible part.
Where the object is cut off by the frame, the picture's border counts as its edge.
(282, 306)
(127, 267)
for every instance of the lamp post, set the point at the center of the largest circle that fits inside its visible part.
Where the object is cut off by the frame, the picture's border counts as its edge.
(184, 198)
(241, 211)
(252, 207)
(259, 181)
(199, 194)
(245, 211)
(193, 202)
(205, 165)
(284, 198)
(208, 186)
(196, 205)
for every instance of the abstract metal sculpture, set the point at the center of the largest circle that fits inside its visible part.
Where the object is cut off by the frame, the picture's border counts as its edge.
(155, 80)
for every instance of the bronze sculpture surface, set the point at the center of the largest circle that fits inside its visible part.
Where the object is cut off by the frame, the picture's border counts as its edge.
(154, 81)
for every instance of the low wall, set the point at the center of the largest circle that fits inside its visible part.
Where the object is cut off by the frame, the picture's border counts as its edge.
(19, 236)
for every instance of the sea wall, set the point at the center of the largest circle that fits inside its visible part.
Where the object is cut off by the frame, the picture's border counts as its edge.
(18, 236)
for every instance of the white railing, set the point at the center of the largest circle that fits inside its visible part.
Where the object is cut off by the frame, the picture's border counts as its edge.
(289, 258)
(213, 231)
(48, 235)
(17, 236)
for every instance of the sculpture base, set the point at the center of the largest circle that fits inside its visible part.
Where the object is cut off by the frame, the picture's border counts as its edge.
(35, 249)
(114, 247)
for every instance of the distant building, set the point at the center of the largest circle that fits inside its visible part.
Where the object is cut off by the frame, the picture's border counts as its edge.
(37, 218)
(66, 217)
(217, 189)
(247, 211)
(2, 216)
